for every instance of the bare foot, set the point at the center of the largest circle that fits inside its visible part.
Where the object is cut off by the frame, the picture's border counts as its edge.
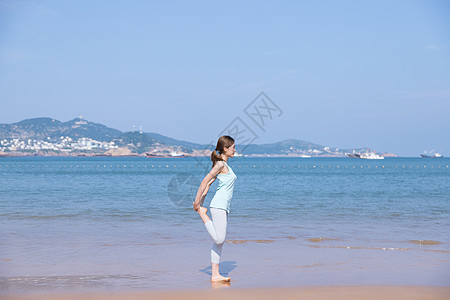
(220, 278)
(202, 210)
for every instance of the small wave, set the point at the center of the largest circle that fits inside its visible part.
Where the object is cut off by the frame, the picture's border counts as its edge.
(41, 217)
(248, 241)
(148, 244)
(318, 265)
(359, 248)
(321, 239)
(64, 281)
(425, 242)
(436, 251)
(379, 248)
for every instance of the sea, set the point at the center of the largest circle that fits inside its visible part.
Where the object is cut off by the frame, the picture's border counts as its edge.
(114, 224)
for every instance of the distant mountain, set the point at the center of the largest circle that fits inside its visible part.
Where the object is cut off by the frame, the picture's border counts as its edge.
(293, 146)
(136, 141)
(144, 142)
(286, 146)
(52, 129)
(43, 128)
(173, 142)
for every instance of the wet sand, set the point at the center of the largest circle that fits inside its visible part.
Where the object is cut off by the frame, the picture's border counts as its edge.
(222, 291)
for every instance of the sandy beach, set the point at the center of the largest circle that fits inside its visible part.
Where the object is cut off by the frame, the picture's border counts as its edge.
(220, 291)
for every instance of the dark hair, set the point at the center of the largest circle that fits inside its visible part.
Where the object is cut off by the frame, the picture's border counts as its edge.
(224, 141)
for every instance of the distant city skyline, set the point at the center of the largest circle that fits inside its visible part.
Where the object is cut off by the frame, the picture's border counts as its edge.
(345, 74)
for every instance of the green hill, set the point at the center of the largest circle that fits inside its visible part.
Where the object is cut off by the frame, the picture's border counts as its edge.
(44, 128)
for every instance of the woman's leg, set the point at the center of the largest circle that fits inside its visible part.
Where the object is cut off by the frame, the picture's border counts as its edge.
(216, 228)
(219, 222)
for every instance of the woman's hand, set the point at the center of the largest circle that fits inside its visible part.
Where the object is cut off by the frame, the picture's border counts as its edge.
(196, 206)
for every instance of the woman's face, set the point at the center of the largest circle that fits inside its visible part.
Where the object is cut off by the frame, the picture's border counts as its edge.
(230, 150)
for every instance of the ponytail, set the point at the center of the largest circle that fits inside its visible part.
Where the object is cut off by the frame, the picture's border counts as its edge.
(224, 141)
(215, 157)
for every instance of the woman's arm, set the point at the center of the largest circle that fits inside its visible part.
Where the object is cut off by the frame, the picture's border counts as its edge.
(206, 183)
(205, 192)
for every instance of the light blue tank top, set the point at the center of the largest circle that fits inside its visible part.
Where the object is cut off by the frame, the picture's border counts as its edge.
(224, 192)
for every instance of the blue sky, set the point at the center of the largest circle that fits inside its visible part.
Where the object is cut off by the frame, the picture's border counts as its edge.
(345, 73)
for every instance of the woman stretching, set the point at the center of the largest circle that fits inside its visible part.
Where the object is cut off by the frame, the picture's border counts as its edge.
(220, 204)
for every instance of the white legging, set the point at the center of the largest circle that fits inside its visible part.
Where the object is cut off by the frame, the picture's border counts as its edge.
(217, 229)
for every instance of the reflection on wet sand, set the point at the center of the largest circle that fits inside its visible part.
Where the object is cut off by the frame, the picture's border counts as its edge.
(220, 284)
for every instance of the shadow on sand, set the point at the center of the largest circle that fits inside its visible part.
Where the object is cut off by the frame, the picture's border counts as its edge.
(225, 268)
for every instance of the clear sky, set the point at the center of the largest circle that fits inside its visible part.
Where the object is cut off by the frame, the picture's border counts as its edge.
(345, 73)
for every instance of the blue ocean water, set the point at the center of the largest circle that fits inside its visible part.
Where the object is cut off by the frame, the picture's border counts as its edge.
(121, 223)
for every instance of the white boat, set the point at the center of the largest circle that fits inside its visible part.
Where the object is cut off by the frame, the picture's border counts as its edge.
(175, 154)
(305, 156)
(370, 155)
(432, 154)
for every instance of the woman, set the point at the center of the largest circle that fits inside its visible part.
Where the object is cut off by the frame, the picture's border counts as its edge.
(220, 204)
